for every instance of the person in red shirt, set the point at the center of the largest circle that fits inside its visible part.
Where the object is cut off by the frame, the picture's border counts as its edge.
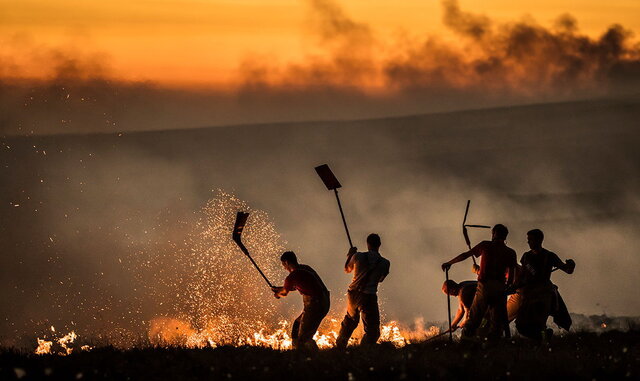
(496, 261)
(315, 297)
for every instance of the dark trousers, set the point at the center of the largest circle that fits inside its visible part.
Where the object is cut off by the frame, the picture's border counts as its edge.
(490, 295)
(365, 305)
(536, 303)
(306, 325)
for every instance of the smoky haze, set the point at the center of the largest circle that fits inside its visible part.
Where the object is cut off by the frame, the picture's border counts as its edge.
(356, 73)
(79, 210)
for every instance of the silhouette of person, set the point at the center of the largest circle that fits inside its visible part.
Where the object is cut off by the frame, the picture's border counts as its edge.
(536, 297)
(369, 268)
(315, 297)
(496, 260)
(465, 291)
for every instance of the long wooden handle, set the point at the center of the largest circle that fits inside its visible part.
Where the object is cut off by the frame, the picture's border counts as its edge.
(246, 252)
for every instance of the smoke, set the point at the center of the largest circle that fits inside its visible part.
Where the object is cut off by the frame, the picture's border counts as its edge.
(352, 72)
(78, 209)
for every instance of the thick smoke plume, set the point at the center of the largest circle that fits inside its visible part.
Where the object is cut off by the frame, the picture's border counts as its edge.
(355, 73)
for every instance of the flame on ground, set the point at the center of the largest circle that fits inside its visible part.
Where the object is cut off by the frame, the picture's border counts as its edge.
(65, 343)
(193, 285)
(173, 332)
(198, 287)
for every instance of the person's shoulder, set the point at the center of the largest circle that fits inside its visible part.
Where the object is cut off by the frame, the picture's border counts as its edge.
(291, 277)
(482, 245)
(304, 267)
(485, 244)
(360, 255)
(510, 250)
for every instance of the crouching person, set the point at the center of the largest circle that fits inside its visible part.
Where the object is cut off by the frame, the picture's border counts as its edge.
(315, 297)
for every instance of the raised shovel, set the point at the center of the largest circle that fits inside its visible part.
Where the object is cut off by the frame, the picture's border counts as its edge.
(241, 220)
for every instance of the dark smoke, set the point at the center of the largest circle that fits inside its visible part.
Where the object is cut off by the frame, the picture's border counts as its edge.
(357, 76)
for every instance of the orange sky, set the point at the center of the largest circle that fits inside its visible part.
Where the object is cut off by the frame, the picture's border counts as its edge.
(199, 42)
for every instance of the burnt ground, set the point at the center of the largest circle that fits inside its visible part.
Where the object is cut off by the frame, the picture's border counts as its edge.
(585, 355)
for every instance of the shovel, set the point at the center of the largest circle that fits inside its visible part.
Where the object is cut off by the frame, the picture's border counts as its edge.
(241, 220)
(330, 181)
(465, 233)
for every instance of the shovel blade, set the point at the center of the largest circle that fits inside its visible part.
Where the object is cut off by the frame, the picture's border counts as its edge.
(328, 177)
(241, 220)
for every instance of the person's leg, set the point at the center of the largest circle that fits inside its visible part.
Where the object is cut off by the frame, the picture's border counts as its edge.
(315, 310)
(513, 305)
(542, 311)
(350, 321)
(370, 319)
(476, 312)
(534, 311)
(501, 316)
(295, 330)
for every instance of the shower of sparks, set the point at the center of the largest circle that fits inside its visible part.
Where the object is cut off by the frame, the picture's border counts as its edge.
(218, 298)
(202, 291)
(209, 285)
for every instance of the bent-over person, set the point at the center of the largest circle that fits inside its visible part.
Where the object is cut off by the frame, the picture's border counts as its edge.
(465, 291)
(496, 261)
(368, 268)
(315, 297)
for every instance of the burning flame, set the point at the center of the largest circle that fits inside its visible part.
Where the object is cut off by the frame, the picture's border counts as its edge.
(45, 346)
(173, 332)
(205, 306)
(199, 299)
(66, 340)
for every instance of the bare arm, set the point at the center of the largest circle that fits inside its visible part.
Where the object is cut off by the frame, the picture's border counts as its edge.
(457, 259)
(458, 317)
(349, 265)
(568, 266)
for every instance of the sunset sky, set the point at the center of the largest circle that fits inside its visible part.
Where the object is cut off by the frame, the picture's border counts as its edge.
(198, 42)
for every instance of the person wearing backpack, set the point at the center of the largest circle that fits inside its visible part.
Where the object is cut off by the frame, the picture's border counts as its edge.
(369, 268)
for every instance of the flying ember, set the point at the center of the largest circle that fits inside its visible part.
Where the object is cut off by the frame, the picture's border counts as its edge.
(213, 297)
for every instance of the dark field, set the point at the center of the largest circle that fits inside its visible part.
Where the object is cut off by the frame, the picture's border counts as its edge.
(610, 355)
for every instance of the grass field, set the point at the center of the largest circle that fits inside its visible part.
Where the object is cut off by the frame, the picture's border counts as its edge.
(585, 355)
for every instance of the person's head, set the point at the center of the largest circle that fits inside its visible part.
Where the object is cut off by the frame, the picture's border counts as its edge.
(373, 242)
(289, 260)
(499, 232)
(535, 238)
(450, 287)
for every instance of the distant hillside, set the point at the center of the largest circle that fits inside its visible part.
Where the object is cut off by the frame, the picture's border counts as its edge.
(73, 205)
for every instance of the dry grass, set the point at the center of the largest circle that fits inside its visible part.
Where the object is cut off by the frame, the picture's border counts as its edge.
(584, 355)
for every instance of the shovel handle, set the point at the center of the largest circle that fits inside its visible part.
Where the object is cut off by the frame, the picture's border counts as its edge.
(344, 221)
(246, 252)
(446, 274)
